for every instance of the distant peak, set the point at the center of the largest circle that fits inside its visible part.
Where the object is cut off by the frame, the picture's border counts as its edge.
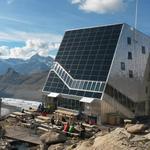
(11, 71)
(36, 55)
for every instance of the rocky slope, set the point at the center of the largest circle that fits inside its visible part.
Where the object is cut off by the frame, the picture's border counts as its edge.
(35, 64)
(15, 85)
(118, 139)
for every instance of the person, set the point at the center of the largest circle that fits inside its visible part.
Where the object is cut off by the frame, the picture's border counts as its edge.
(39, 108)
(66, 127)
(42, 107)
(22, 111)
(82, 132)
(63, 119)
(52, 121)
(58, 123)
(49, 108)
(44, 113)
(33, 127)
(71, 128)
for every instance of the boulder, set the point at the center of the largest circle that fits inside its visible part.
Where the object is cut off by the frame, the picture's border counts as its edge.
(128, 125)
(137, 128)
(52, 137)
(147, 136)
(59, 146)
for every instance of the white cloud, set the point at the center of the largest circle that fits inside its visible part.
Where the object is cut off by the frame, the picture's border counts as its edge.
(100, 6)
(31, 47)
(41, 43)
(4, 51)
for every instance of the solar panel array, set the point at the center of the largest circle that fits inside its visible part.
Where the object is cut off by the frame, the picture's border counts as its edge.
(85, 54)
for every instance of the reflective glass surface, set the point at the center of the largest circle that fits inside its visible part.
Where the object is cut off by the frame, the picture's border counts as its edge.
(86, 54)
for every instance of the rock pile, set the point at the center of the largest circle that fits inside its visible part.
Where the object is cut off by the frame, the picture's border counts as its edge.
(51, 138)
(127, 138)
(119, 139)
(137, 128)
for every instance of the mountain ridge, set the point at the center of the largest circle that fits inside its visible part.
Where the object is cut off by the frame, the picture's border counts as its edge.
(24, 79)
(35, 64)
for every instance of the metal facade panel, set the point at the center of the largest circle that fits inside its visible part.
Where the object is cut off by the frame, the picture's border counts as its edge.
(131, 80)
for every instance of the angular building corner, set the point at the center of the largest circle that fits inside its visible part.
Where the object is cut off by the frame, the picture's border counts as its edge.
(101, 71)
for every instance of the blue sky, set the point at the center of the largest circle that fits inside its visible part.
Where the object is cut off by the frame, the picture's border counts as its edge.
(37, 26)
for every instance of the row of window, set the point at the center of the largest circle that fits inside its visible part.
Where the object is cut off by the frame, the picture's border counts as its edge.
(55, 84)
(143, 49)
(88, 46)
(130, 71)
(130, 53)
(94, 31)
(121, 98)
(82, 38)
(69, 103)
(91, 51)
(86, 58)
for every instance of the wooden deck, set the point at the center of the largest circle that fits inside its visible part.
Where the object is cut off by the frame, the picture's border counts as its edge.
(22, 134)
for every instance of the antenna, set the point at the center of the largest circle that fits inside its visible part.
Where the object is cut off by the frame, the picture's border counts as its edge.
(136, 14)
(136, 19)
(134, 33)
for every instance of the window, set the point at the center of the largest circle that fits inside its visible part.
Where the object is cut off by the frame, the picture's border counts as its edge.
(129, 40)
(89, 85)
(69, 103)
(146, 90)
(102, 86)
(143, 50)
(85, 85)
(93, 86)
(74, 84)
(122, 66)
(119, 97)
(97, 87)
(129, 55)
(130, 74)
(109, 90)
(81, 85)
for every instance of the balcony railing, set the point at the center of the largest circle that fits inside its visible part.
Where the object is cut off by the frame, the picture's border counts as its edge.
(75, 84)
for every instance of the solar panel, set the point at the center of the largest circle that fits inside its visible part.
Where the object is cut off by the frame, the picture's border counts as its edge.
(85, 54)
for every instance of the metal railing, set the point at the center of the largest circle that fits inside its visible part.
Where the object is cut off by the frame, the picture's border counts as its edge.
(76, 84)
